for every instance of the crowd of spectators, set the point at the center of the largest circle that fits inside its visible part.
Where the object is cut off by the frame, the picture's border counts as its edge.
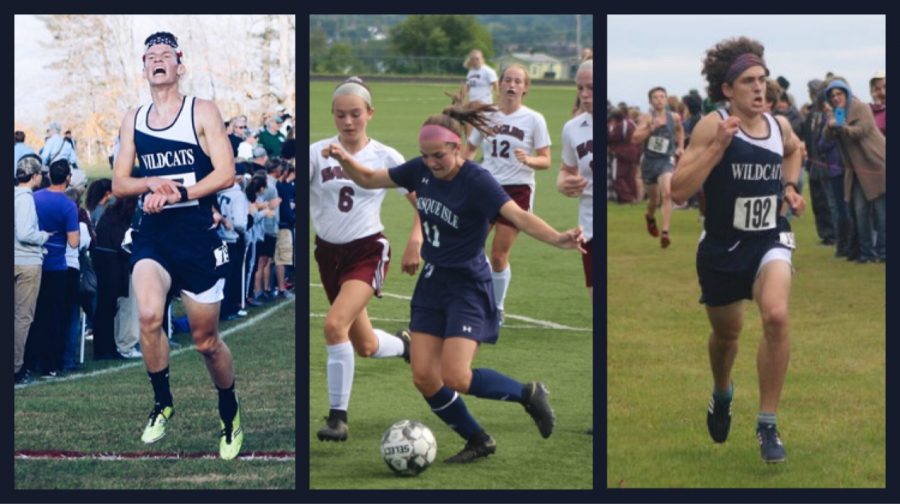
(72, 245)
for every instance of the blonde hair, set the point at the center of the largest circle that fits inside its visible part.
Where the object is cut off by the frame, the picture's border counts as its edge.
(468, 61)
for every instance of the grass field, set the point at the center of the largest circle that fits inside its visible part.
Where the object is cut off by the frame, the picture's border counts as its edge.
(832, 412)
(103, 409)
(547, 288)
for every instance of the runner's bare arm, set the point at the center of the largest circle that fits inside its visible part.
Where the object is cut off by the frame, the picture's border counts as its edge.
(211, 127)
(709, 140)
(123, 184)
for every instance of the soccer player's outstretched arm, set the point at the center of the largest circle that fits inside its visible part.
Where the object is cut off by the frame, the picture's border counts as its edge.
(535, 227)
(363, 176)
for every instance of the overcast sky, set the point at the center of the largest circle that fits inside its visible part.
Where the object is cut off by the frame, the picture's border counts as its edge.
(648, 51)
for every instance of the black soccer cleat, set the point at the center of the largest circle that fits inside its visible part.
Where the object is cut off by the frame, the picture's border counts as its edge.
(335, 429)
(474, 450)
(770, 447)
(718, 419)
(404, 336)
(537, 403)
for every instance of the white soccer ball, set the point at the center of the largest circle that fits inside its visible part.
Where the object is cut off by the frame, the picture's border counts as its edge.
(408, 447)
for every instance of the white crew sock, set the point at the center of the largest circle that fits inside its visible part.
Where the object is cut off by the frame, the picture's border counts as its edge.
(501, 285)
(340, 374)
(388, 345)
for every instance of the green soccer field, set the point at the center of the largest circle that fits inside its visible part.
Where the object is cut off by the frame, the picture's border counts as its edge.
(103, 409)
(832, 411)
(547, 335)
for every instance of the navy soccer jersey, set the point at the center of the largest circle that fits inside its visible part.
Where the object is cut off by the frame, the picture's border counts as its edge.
(744, 191)
(174, 152)
(455, 214)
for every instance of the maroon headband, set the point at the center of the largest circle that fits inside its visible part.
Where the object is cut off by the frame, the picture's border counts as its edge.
(742, 63)
(437, 132)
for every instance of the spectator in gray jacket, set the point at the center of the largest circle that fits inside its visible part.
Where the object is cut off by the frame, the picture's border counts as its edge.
(29, 256)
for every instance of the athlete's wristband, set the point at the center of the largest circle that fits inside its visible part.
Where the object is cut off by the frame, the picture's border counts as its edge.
(791, 184)
(184, 195)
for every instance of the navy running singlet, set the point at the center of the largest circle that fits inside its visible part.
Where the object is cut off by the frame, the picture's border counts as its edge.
(174, 152)
(744, 191)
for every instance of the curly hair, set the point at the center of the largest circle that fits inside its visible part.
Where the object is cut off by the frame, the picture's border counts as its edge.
(719, 59)
(459, 112)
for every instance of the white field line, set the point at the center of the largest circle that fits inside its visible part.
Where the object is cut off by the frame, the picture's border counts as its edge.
(140, 362)
(115, 457)
(536, 323)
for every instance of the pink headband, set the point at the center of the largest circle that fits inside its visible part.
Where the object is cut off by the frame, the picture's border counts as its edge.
(436, 132)
(742, 63)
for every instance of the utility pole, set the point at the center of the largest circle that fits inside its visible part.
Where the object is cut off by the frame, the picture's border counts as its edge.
(578, 35)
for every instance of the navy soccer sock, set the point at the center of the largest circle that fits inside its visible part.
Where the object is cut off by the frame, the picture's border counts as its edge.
(450, 407)
(161, 393)
(490, 384)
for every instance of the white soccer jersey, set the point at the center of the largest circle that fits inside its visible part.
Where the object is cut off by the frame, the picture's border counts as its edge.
(523, 129)
(578, 150)
(481, 82)
(341, 211)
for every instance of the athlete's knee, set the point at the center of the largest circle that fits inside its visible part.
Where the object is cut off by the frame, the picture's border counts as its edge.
(366, 348)
(149, 319)
(457, 379)
(426, 382)
(727, 334)
(775, 319)
(206, 342)
(336, 331)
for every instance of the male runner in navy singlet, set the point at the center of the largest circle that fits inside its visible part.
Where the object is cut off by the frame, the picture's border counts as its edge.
(185, 158)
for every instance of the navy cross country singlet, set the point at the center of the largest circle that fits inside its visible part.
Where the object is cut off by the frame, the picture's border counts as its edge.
(744, 191)
(174, 152)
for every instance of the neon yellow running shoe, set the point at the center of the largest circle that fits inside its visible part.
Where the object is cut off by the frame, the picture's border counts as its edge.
(156, 424)
(231, 437)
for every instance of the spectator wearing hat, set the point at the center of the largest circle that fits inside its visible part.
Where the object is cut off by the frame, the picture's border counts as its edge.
(56, 147)
(862, 148)
(29, 256)
(270, 137)
(20, 150)
(878, 90)
(57, 215)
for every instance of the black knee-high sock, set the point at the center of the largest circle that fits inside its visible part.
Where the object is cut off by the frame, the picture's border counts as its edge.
(161, 393)
(227, 403)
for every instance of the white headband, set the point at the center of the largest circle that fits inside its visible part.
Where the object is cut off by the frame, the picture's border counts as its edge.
(355, 89)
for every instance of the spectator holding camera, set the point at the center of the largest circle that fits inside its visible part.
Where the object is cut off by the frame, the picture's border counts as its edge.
(862, 146)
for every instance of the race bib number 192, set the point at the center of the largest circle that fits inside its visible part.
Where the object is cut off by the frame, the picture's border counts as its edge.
(755, 213)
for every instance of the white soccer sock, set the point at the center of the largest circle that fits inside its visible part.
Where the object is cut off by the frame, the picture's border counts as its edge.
(501, 285)
(388, 345)
(340, 374)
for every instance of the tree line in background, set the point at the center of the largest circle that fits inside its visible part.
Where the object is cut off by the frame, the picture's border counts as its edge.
(246, 64)
(433, 44)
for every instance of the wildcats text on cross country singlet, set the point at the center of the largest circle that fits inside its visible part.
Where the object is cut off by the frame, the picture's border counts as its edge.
(168, 159)
(756, 171)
